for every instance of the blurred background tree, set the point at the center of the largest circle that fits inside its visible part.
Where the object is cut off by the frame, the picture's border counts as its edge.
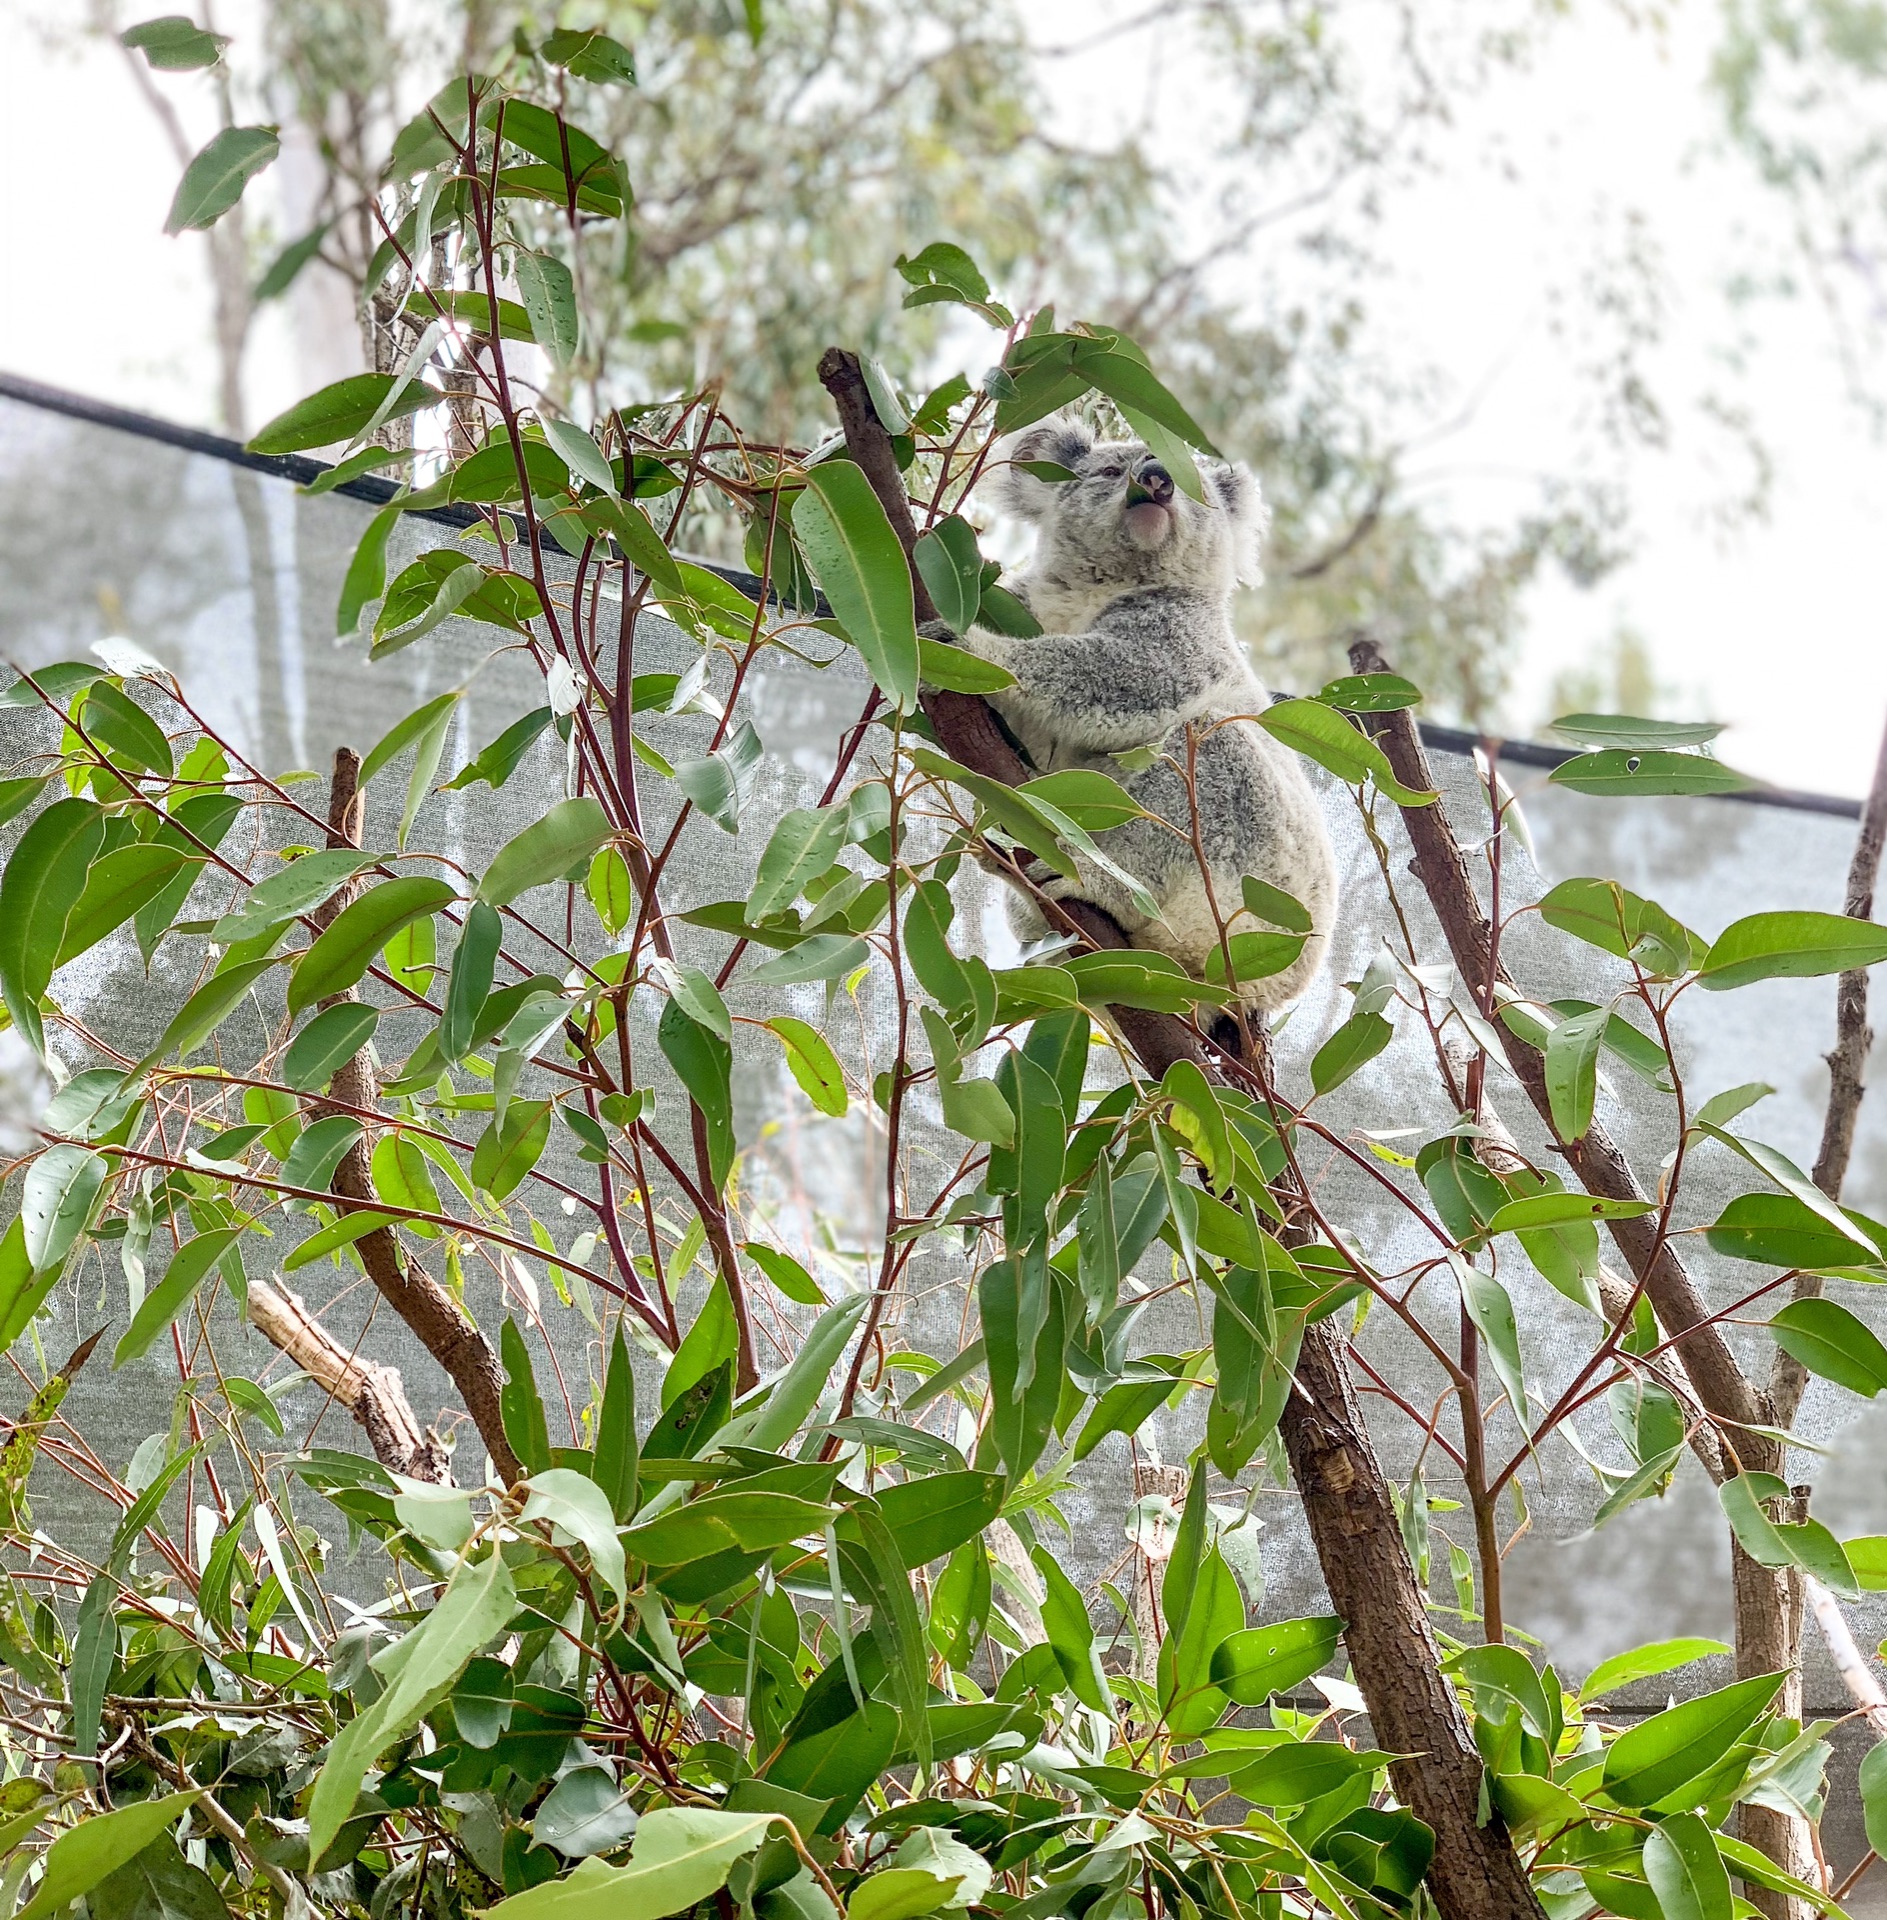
(784, 152)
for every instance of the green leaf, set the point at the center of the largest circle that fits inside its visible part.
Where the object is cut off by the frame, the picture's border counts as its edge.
(812, 1063)
(1873, 1786)
(94, 1652)
(175, 43)
(1024, 1356)
(402, 1178)
(208, 1007)
(549, 300)
(943, 268)
(510, 1147)
(340, 411)
(580, 454)
(1298, 1773)
(852, 550)
(341, 955)
(1616, 774)
(1645, 1663)
(825, 956)
(366, 578)
(425, 731)
(785, 1272)
(1126, 379)
(330, 1239)
(1792, 1180)
(277, 277)
(1572, 1071)
(1089, 798)
(1266, 902)
(213, 182)
(629, 526)
(419, 1671)
(679, 1857)
(114, 720)
(703, 1062)
(186, 1272)
(1626, 730)
(520, 1404)
(62, 1187)
(1249, 1667)
(553, 848)
(590, 55)
(933, 1516)
(498, 761)
(1776, 946)
(1777, 1230)
(299, 888)
(84, 1854)
(1150, 980)
(577, 1506)
(951, 568)
(1371, 693)
(1830, 1341)
(121, 884)
(1348, 1050)
(719, 783)
(957, 670)
(802, 848)
(1492, 1311)
(318, 1150)
(1255, 956)
(617, 1455)
(1686, 1871)
(1188, 1698)
(1561, 1209)
(426, 594)
(1652, 1760)
(39, 887)
(1314, 730)
(474, 960)
(325, 1043)
(17, 795)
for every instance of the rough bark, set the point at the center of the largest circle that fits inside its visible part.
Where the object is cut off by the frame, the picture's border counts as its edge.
(373, 1394)
(1767, 1602)
(1476, 1874)
(444, 1328)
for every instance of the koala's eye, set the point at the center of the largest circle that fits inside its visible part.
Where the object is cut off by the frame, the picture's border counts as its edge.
(1108, 473)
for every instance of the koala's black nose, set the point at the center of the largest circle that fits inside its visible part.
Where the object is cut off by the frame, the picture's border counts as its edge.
(1153, 482)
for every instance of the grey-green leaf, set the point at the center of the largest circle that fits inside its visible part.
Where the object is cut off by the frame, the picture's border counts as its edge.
(214, 180)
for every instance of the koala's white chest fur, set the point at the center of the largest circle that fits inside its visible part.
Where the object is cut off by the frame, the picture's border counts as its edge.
(1131, 583)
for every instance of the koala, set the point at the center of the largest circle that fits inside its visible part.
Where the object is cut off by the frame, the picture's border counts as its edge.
(1131, 582)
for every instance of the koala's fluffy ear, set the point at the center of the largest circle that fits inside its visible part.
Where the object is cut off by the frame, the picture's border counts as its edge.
(1062, 438)
(1238, 492)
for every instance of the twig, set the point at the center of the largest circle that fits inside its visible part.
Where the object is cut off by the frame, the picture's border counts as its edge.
(1847, 1066)
(1864, 1689)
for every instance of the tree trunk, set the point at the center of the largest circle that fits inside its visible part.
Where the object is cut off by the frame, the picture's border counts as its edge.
(1476, 1875)
(1412, 1705)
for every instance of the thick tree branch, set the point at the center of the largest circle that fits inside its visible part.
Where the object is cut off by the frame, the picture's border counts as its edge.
(444, 1327)
(1768, 1602)
(373, 1394)
(1414, 1710)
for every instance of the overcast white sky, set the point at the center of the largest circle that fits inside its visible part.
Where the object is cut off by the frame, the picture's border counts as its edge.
(1776, 630)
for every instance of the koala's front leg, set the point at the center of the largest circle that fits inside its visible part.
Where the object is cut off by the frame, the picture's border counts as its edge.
(1094, 692)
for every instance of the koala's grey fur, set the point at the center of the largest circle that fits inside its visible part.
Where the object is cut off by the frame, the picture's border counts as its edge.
(1133, 596)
